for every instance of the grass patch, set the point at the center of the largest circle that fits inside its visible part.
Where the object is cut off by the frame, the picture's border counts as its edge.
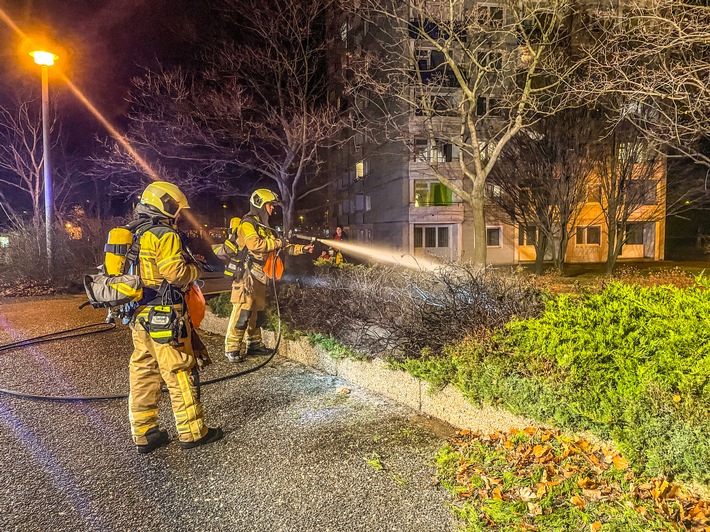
(538, 479)
(334, 348)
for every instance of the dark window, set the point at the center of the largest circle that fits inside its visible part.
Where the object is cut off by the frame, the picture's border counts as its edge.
(594, 235)
(493, 236)
(418, 237)
(481, 106)
(641, 192)
(634, 234)
(591, 235)
(527, 235)
(443, 237)
(430, 237)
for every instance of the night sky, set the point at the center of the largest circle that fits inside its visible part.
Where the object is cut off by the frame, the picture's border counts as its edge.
(104, 42)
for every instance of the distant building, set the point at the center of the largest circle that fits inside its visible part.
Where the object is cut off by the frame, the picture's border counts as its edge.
(385, 193)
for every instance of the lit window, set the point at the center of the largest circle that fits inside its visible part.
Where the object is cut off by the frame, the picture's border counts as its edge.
(362, 169)
(432, 194)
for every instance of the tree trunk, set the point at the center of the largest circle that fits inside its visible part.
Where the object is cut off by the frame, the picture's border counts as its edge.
(479, 223)
(540, 248)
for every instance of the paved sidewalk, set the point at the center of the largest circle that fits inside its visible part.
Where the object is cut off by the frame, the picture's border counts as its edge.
(298, 455)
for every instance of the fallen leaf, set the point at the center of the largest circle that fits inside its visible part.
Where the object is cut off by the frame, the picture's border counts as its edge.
(541, 490)
(592, 495)
(497, 494)
(596, 525)
(620, 462)
(578, 502)
(584, 482)
(660, 490)
(534, 509)
(527, 494)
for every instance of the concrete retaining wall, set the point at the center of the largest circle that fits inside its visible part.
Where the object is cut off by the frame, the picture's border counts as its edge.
(448, 404)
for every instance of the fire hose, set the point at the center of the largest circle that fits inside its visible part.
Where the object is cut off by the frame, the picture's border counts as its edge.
(105, 327)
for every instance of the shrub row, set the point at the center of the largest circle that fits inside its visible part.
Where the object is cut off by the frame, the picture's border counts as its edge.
(25, 259)
(630, 363)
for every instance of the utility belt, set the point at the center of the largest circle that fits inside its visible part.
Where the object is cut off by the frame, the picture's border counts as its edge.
(242, 262)
(166, 324)
(163, 315)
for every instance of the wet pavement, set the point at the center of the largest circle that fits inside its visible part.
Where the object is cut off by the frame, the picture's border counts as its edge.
(297, 454)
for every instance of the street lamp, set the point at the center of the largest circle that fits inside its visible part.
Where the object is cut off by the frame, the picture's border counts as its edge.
(46, 60)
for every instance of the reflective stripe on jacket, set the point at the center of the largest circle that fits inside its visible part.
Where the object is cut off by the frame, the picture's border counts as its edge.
(161, 257)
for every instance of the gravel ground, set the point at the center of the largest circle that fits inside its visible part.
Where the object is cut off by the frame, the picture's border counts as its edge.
(298, 455)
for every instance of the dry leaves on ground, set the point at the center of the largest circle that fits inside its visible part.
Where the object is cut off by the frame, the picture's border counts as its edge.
(553, 476)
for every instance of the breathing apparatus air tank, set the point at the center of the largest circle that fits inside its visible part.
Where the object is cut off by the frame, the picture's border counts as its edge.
(119, 241)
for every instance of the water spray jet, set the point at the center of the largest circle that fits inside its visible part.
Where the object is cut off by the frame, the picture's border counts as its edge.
(382, 255)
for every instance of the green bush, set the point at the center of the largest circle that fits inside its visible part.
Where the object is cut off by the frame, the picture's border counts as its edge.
(220, 305)
(630, 363)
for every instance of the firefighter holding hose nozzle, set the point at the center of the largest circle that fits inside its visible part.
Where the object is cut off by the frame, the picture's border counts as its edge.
(253, 251)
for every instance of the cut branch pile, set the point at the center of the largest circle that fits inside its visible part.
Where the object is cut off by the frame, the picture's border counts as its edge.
(401, 312)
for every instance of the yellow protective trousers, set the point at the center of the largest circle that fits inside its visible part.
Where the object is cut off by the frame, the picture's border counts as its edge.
(152, 364)
(247, 317)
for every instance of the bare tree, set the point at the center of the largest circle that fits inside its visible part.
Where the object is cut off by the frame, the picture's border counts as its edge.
(22, 159)
(466, 74)
(256, 106)
(541, 181)
(632, 182)
(21, 155)
(276, 92)
(654, 56)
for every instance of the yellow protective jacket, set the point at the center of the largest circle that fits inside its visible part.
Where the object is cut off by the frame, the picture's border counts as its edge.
(161, 257)
(260, 241)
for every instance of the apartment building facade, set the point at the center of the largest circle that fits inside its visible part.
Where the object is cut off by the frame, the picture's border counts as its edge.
(385, 192)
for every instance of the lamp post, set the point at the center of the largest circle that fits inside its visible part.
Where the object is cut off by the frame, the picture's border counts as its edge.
(46, 60)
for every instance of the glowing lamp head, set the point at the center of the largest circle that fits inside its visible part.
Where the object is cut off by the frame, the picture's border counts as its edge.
(44, 58)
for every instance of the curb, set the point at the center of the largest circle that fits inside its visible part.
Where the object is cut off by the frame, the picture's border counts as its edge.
(448, 404)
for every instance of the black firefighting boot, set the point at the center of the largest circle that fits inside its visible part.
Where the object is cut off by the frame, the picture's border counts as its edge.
(258, 350)
(234, 356)
(156, 438)
(212, 435)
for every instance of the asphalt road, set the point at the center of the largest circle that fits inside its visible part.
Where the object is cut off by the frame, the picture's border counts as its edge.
(297, 454)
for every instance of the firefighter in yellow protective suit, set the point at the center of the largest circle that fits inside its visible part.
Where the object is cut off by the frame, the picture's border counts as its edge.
(161, 355)
(249, 287)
